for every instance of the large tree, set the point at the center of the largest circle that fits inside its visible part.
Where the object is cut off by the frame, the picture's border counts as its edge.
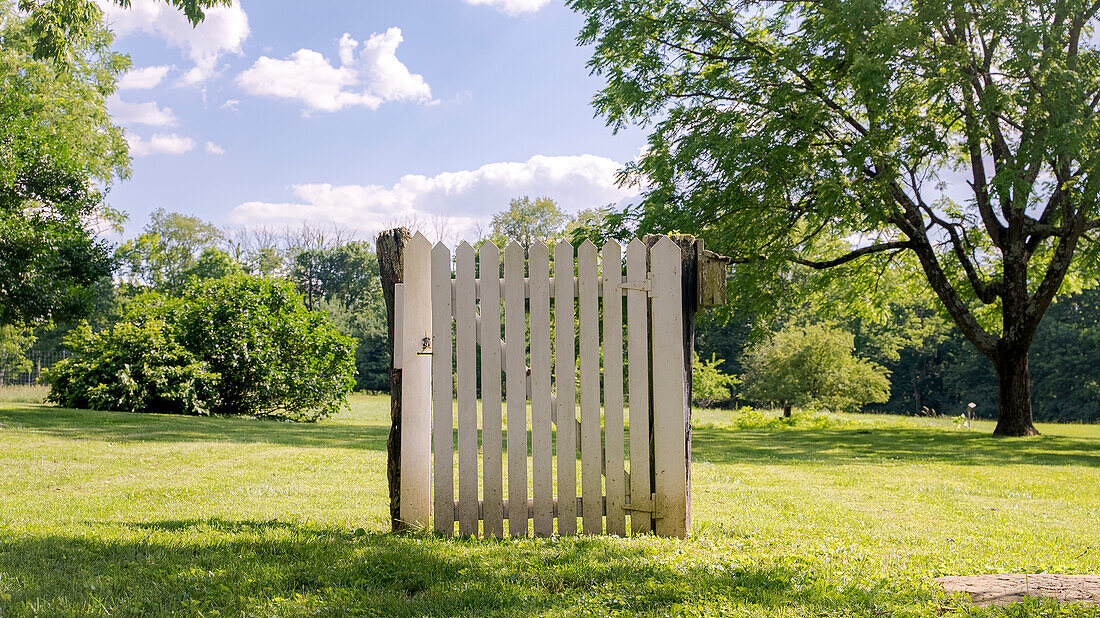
(528, 220)
(59, 152)
(168, 248)
(956, 136)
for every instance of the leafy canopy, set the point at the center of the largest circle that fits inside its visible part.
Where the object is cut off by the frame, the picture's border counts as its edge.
(60, 27)
(59, 154)
(954, 138)
(709, 384)
(170, 246)
(527, 221)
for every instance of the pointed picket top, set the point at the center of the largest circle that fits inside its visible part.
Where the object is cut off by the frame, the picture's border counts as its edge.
(587, 248)
(488, 254)
(513, 248)
(665, 247)
(611, 256)
(464, 248)
(441, 246)
(538, 248)
(419, 245)
(635, 245)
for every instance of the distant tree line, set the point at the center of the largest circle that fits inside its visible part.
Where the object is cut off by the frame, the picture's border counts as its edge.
(817, 350)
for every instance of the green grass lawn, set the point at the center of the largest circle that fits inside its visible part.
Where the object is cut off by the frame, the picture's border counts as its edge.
(129, 514)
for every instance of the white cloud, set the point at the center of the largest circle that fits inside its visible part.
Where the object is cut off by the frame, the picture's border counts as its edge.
(160, 144)
(368, 80)
(230, 105)
(143, 78)
(462, 198)
(512, 7)
(223, 31)
(214, 149)
(148, 113)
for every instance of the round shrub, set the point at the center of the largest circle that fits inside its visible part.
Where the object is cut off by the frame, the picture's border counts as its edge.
(136, 366)
(236, 345)
(274, 356)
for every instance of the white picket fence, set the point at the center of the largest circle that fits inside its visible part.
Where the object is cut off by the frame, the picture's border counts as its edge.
(446, 311)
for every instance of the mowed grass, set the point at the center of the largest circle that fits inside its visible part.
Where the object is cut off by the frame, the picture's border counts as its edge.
(128, 514)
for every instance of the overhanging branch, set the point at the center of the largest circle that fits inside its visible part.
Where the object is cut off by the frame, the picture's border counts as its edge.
(852, 255)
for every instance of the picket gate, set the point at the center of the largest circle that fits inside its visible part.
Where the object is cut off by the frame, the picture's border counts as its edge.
(469, 323)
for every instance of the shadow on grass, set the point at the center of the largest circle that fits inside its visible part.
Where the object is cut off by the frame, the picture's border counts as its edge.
(906, 445)
(266, 568)
(122, 427)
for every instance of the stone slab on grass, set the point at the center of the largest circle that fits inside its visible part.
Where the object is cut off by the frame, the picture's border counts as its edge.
(985, 590)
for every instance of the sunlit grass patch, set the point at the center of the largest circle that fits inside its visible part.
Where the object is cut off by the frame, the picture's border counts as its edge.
(146, 514)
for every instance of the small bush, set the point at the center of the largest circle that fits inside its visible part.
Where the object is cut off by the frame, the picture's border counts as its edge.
(813, 366)
(708, 384)
(750, 418)
(236, 345)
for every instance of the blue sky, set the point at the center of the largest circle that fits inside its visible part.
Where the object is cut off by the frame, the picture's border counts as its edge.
(361, 113)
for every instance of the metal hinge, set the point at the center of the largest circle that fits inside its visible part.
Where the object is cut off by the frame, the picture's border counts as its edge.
(643, 285)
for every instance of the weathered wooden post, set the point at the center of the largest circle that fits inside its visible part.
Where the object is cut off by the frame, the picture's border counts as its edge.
(390, 247)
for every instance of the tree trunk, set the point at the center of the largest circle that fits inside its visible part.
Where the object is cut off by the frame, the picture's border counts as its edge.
(1014, 382)
(786, 410)
(390, 248)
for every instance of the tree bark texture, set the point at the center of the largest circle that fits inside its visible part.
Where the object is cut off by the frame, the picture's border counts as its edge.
(391, 263)
(1014, 384)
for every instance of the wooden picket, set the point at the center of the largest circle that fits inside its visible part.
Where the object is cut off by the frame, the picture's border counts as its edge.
(565, 384)
(542, 448)
(614, 472)
(492, 435)
(442, 392)
(669, 458)
(515, 370)
(591, 447)
(466, 360)
(552, 341)
(637, 332)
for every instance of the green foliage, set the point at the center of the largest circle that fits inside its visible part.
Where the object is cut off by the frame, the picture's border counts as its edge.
(347, 273)
(58, 154)
(752, 418)
(955, 140)
(213, 264)
(709, 384)
(367, 327)
(170, 246)
(344, 282)
(274, 356)
(15, 341)
(528, 220)
(235, 345)
(599, 225)
(137, 366)
(60, 27)
(813, 366)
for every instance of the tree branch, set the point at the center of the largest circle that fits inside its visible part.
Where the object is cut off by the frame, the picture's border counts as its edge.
(857, 253)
